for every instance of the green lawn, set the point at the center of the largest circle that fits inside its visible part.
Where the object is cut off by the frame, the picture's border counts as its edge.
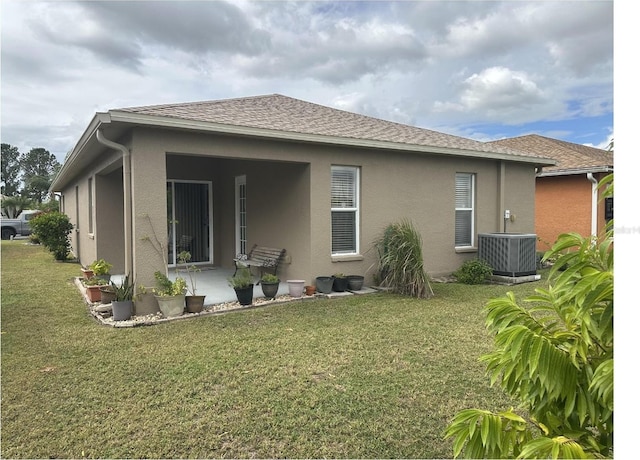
(361, 377)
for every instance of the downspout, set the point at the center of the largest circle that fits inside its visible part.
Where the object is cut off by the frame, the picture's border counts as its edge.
(502, 223)
(126, 180)
(594, 204)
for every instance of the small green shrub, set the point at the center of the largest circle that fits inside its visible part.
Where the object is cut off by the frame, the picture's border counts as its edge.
(474, 271)
(53, 229)
(100, 267)
(167, 288)
(270, 278)
(242, 279)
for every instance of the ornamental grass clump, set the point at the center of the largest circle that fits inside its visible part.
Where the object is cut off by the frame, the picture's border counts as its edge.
(401, 266)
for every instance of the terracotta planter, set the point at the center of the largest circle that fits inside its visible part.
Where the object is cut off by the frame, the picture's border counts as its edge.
(310, 290)
(86, 273)
(171, 306)
(93, 293)
(122, 310)
(195, 303)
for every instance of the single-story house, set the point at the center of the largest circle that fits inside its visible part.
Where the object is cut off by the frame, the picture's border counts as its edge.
(567, 195)
(218, 177)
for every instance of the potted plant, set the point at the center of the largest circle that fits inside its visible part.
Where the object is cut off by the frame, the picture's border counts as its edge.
(324, 284)
(242, 283)
(170, 294)
(340, 282)
(296, 287)
(195, 303)
(92, 288)
(106, 294)
(87, 273)
(270, 284)
(144, 302)
(122, 305)
(355, 282)
(101, 268)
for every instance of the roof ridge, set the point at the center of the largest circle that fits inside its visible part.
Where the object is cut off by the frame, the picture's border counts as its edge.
(194, 103)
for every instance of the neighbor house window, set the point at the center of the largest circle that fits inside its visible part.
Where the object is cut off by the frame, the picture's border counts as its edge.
(90, 197)
(344, 209)
(465, 198)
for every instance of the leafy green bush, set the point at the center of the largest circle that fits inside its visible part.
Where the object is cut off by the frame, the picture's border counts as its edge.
(53, 229)
(556, 358)
(401, 266)
(474, 271)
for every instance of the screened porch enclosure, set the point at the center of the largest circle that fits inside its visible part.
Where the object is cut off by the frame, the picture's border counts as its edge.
(189, 221)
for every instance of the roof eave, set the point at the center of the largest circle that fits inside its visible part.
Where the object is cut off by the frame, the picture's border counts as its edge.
(179, 123)
(68, 167)
(575, 171)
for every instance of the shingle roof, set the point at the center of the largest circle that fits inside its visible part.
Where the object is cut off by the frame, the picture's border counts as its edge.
(571, 158)
(289, 115)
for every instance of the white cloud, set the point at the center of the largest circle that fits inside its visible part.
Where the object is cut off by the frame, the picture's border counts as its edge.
(457, 65)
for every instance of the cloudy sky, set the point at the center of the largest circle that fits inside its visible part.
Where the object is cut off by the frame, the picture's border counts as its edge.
(484, 70)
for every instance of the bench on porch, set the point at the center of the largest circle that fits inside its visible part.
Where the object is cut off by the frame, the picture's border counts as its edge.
(260, 256)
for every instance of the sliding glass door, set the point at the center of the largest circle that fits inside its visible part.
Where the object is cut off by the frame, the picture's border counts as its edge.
(189, 208)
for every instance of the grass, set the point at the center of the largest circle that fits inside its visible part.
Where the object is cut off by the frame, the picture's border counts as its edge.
(374, 376)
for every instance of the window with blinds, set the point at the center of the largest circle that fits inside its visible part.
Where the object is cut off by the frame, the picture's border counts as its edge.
(465, 198)
(344, 209)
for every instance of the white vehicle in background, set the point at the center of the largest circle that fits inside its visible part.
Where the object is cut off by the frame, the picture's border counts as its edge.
(19, 225)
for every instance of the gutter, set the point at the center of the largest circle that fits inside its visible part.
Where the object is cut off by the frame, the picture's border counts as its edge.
(126, 179)
(574, 171)
(594, 204)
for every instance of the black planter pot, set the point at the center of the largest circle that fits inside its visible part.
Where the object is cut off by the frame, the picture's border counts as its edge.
(269, 289)
(245, 295)
(355, 282)
(195, 303)
(324, 284)
(340, 284)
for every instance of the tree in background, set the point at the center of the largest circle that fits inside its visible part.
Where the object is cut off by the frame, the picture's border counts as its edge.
(12, 206)
(38, 170)
(11, 170)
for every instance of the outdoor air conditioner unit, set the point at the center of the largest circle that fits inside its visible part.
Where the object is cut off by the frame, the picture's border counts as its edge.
(510, 254)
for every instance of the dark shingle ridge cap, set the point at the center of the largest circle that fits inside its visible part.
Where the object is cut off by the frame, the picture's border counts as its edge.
(285, 114)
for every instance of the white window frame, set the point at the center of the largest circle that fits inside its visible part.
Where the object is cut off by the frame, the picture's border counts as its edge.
(90, 203)
(353, 209)
(472, 201)
(241, 214)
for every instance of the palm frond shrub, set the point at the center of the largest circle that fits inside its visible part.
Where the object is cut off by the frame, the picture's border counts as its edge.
(556, 358)
(401, 265)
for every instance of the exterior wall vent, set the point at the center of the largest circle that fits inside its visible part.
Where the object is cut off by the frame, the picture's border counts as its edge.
(510, 254)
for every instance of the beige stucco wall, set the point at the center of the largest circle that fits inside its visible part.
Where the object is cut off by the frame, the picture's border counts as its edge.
(288, 198)
(107, 195)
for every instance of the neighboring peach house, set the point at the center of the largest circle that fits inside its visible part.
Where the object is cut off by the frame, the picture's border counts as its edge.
(567, 196)
(218, 177)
